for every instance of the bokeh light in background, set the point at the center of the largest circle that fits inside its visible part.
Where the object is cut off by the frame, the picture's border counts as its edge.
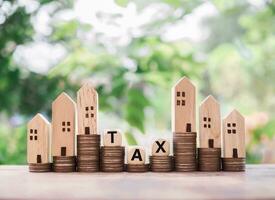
(133, 52)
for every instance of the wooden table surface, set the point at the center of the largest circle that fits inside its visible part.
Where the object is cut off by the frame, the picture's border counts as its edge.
(258, 182)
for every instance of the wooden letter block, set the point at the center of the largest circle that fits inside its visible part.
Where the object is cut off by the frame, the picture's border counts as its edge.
(112, 138)
(161, 148)
(234, 135)
(184, 106)
(210, 123)
(63, 125)
(136, 155)
(87, 109)
(38, 140)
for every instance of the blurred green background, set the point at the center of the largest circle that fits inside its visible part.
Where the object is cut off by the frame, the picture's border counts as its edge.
(133, 52)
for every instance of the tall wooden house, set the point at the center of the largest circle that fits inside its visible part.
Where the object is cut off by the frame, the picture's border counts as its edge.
(210, 123)
(38, 145)
(87, 108)
(63, 126)
(234, 135)
(184, 106)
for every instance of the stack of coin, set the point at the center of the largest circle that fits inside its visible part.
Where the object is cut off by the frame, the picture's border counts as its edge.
(64, 163)
(209, 159)
(161, 163)
(233, 164)
(40, 167)
(137, 168)
(88, 153)
(112, 158)
(185, 145)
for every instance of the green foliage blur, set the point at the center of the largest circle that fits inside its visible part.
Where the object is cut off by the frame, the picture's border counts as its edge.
(235, 62)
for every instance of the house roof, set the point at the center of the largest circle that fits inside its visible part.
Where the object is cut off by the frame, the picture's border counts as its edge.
(38, 118)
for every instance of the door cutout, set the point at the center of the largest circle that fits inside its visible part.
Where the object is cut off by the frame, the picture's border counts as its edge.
(63, 151)
(235, 153)
(211, 143)
(87, 130)
(38, 159)
(188, 127)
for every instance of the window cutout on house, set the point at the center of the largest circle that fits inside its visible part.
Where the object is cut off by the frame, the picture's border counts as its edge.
(228, 125)
(183, 94)
(209, 126)
(234, 131)
(35, 137)
(87, 130)
(92, 115)
(31, 130)
(178, 94)
(68, 129)
(38, 159)
(87, 115)
(183, 102)
(35, 131)
(229, 131)
(92, 108)
(205, 125)
(63, 123)
(178, 102)
(87, 108)
(211, 143)
(204, 119)
(30, 137)
(68, 123)
(235, 153)
(63, 129)
(234, 124)
(209, 119)
(188, 127)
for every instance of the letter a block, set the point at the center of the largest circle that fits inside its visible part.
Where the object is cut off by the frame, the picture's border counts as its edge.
(112, 138)
(136, 156)
(161, 148)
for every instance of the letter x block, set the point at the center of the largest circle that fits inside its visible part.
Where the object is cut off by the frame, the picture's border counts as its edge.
(161, 147)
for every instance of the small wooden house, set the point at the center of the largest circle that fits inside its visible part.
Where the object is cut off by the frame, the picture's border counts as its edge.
(234, 135)
(63, 126)
(161, 147)
(38, 147)
(184, 106)
(87, 108)
(210, 123)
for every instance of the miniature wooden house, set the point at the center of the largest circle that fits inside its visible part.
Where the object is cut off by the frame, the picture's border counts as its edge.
(184, 106)
(63, 126)
(38, 147)
(234, 135)
(87, 108)
(161, 147)
(210, 123)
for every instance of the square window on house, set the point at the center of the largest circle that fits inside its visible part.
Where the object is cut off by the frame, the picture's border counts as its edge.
(234, 131)
(178, 94)
(209, 126)
(68, 129)
(68, 123)
(228, 125)
(35, 137)
(35, 131)
(205, 119)
(92, 115)
(30, 137)
(234, 124)
(209, 119)
(31, 131)
(63, 123)
(205, 125)
(63, 129)
(92, 108)
(87, 115)
(183, 94)
(229, 131)
(178, 102)
(183, 102)
(87, 108)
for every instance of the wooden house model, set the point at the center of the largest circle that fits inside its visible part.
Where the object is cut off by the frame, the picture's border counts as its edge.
(38, 145)
(63, 126)
(183, 106)
(87, 108)
(210, 123)
(234, 135)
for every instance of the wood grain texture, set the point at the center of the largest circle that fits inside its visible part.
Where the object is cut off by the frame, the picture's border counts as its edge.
(63, 125)
(109, 141)
(210, 123)
(161, 147)
(234, 135)
(38, 139)
(183, 106)
(133, 152)
(87, 108)
(256, 183)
